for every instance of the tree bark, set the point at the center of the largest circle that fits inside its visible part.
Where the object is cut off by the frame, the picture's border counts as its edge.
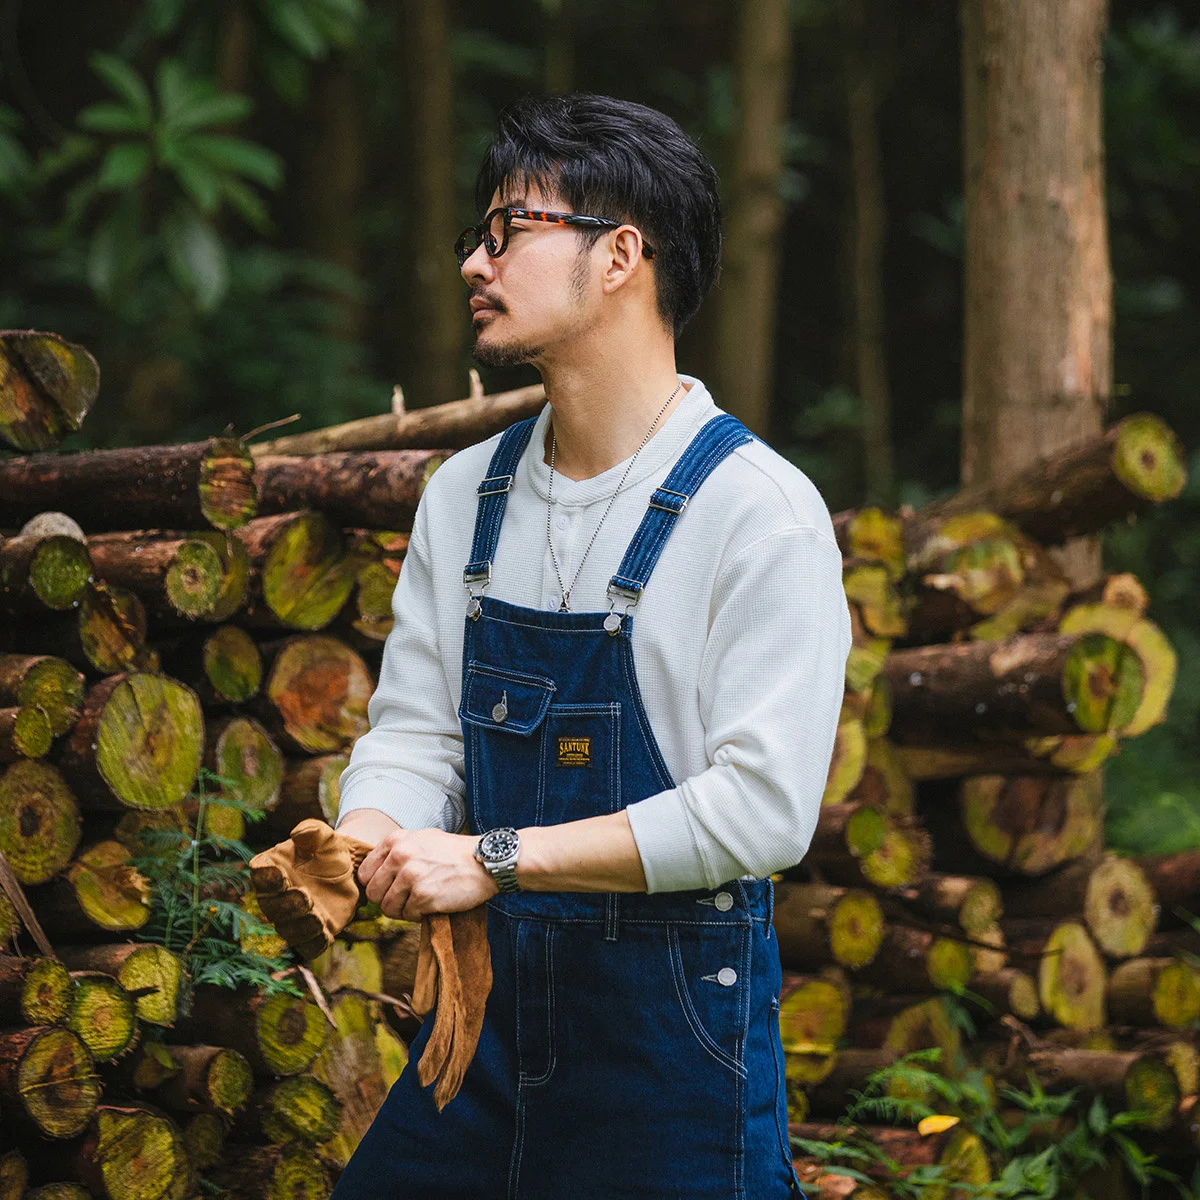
(754, 222)
(1037, 367)
(440, 318)
(868, 228)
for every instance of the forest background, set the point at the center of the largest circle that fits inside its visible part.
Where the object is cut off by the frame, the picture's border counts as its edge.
(247, 208)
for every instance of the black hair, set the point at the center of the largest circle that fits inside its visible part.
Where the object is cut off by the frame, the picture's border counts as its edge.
(612, 158)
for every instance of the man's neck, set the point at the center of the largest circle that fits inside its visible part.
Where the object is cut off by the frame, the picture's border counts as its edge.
(601, 414)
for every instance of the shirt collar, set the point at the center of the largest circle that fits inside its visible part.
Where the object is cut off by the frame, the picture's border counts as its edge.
(694, 409)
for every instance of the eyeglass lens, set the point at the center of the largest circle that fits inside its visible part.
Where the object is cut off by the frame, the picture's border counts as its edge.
(493, 237)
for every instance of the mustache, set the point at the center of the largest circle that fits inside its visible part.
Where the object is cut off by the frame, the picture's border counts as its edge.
(494, 301)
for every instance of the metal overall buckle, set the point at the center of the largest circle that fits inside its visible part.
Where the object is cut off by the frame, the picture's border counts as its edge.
(481, 576)
(612, 623)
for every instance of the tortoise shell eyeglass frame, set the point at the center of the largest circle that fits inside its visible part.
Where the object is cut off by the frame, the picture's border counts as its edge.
(475, 235)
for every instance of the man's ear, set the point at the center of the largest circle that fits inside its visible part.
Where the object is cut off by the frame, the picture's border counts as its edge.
(624, 256)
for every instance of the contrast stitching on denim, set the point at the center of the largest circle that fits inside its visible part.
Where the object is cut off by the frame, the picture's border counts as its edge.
(511, 673)
(625, 659)
(551, 1047)
(780, 1080)
(689, 1012)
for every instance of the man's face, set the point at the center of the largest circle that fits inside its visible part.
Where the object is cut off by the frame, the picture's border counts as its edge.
(537, 294)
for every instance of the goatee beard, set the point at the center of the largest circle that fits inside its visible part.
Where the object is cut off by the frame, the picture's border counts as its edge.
(510, 355)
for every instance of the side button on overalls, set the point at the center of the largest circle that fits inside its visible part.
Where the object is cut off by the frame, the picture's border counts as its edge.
(630, 1047)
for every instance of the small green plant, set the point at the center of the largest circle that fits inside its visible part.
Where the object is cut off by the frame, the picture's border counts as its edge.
(1080, 1137)
(198, 879)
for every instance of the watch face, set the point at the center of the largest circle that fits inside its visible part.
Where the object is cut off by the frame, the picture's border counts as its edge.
(499, 844)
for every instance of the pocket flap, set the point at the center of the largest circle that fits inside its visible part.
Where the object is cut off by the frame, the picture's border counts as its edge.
(508, 701)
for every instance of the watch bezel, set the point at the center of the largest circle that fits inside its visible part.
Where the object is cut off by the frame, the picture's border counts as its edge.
(486, 851)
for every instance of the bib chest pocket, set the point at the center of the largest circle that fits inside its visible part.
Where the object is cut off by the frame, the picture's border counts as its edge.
(531, 761)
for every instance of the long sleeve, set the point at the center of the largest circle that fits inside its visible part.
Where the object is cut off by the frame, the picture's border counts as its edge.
(771, 681)
(409, 765)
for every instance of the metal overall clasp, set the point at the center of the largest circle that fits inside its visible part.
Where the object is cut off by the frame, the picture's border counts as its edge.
(476, 577)
(617, 593)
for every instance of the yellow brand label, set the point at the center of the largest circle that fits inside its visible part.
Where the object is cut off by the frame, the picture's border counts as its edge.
(574, 751)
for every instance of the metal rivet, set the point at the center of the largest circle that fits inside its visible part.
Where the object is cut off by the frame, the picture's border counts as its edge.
(474, 608)
(727, 977)
(612, 622)
(500, 711)
(723, 900)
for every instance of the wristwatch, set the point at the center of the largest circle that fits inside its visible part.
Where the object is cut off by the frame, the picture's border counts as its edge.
(497, 850)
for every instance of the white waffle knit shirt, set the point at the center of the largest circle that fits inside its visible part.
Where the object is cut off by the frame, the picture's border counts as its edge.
(740, 642)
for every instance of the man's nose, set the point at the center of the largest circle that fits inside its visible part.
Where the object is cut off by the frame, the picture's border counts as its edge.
(478, 266)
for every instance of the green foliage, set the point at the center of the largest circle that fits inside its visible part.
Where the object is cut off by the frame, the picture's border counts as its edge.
(1083, 1137)
(197, 879)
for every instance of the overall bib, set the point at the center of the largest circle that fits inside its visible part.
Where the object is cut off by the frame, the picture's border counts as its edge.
(630, 1046)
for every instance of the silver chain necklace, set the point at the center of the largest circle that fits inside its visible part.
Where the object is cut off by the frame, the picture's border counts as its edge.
(565, 606)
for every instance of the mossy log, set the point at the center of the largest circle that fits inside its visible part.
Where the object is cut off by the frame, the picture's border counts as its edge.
(1155, 991)
(47, 386)
(379, 489)
(108, 633)
(242, 754)
(916, 960)
(973, 903)
(884, 783)
(232, 665)
(847, 761)
(1113, 896)
(303, 573)
(102, 1015)
(853, 1066)
(99, 895)
(1071, 978)
(1008, 991)
(1155, 654)
(39, 820)
(1079, 490)
(204, 1140)
(278, 1034)
(318, 690)
(33, 991)
(456, 423)
(380, 555)
(187, 486)
(152, 973)
(24, 733)
(131, 1153)
(48, 1079)
(1132, 1080)
(166, 570)
(311, 787)
(1031, 824)
(14, 1175)
(45, 682)
(59, 1191)
(1175, 881)
(298, 1109)
(856, 845)
(818, 925)
(360, 1061)
(42, 572)
(871, 590)
(813, 1011)
(347, 964)
(1060, 754)
(138, 743)
(275, 1173)
(399, 960)
(873, 536)
(212, 1079)
(1032, 684)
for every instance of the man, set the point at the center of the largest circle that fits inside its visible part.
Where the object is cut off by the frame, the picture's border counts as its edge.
(617, 664)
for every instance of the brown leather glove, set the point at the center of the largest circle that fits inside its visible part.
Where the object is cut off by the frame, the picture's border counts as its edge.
(455, 963)
(308, 887)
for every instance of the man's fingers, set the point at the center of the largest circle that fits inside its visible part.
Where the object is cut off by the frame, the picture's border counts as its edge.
(371, 863)
(393, 902)
(381, 880)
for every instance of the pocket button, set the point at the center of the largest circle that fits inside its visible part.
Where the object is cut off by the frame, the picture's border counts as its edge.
(723, 900)
(727, 977)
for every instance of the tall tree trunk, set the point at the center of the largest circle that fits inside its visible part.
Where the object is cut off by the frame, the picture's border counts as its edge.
(337, 173)
(560, 47)
(868, 226)
(440, 299)
(750, 280)
(1038, 354)
(234, 37)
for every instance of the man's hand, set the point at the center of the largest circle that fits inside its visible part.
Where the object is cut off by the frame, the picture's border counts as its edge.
(413, 872)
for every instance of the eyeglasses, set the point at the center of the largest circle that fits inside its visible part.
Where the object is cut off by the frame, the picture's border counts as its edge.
(492, 231)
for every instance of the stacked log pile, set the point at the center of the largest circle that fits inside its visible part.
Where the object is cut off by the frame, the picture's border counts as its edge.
(217, 605)
(164, 609)
(959, 862)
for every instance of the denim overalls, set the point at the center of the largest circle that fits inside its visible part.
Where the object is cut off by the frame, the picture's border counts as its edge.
(631, 1045)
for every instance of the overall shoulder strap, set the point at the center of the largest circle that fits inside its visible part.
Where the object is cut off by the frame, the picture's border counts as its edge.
(493, 497)
(707, 450)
